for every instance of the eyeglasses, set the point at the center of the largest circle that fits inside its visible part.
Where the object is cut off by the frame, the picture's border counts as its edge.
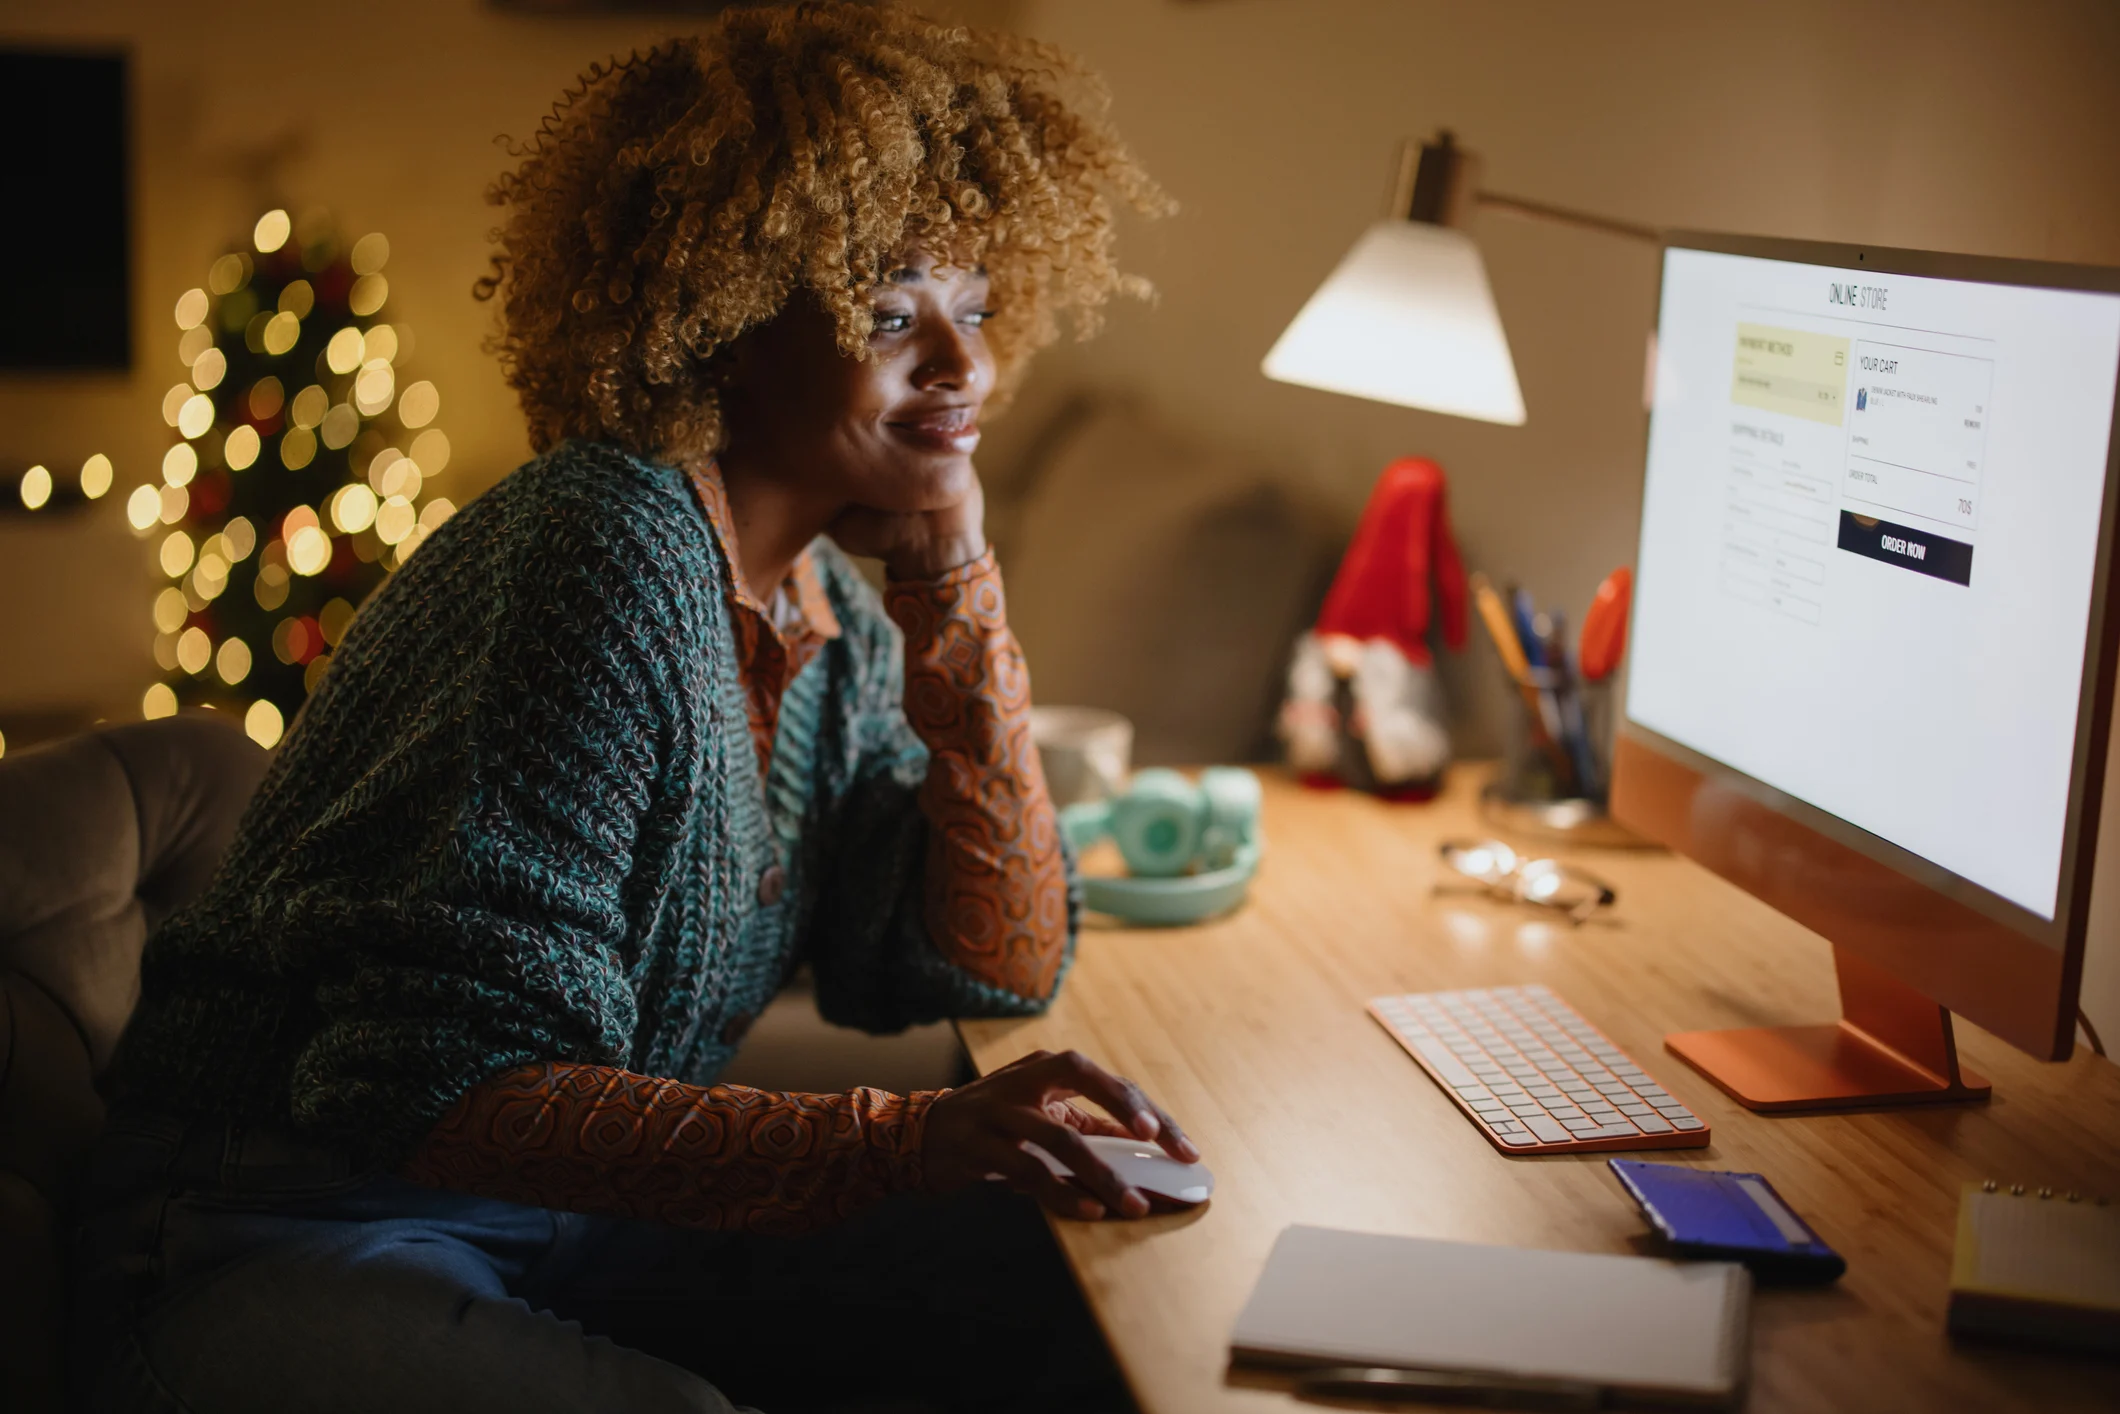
(1498, 871)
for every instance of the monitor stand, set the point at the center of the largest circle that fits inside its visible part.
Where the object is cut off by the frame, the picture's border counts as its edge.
(1892, 1046)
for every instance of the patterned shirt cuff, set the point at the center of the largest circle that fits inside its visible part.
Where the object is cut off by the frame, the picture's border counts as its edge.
(901, 1141)
(941, 591)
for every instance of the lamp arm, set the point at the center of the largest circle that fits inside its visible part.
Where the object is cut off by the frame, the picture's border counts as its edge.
(1544, 211)
(1439, 182)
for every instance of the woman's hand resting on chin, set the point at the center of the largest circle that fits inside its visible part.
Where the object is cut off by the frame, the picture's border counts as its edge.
(979, 1131)
(917, 544)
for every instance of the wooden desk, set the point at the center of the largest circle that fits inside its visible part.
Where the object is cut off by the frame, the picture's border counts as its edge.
(1250, 1030)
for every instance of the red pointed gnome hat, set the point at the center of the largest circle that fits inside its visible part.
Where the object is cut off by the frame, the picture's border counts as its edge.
(1382, 588)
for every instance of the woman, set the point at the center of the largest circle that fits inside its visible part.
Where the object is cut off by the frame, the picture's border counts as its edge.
(626, 744)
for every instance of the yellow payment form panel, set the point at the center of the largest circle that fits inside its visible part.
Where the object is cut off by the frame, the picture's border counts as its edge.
(1791, 371)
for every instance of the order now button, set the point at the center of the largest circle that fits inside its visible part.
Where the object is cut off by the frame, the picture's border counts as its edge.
(1922, 551)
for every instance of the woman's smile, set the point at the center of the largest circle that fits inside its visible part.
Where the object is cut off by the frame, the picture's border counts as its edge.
(951, 429)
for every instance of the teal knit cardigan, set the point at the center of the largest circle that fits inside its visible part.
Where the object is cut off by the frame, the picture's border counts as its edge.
(522, 820)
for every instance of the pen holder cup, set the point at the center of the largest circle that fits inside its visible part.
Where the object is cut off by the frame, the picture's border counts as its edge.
(1556, 765)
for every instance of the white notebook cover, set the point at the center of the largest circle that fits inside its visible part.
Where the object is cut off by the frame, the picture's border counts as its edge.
(1636, 1326)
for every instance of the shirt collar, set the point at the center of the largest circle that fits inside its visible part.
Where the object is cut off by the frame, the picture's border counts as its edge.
(811, 614)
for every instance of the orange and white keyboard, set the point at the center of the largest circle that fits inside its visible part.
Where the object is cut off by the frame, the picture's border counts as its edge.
(1533, 1075)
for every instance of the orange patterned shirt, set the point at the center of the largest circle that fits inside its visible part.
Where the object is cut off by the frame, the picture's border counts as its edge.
(594, 1138)
(770, 654)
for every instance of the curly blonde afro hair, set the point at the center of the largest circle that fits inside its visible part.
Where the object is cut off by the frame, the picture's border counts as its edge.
(679, 197)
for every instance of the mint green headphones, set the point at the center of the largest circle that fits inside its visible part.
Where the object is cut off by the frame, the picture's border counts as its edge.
(1191, 849)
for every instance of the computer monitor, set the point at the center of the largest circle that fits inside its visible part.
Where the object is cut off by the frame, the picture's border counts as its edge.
(1872, 645)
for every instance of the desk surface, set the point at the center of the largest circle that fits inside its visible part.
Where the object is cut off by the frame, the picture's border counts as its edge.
(1251, 1031)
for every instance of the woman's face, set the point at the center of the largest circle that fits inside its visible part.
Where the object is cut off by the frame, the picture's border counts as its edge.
(894, 431)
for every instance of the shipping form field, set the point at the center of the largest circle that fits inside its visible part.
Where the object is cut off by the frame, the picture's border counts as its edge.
(1781, 496)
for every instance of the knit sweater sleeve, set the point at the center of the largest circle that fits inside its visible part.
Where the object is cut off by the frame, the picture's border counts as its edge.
(948, 822)
(599, 1139)
(473, 892)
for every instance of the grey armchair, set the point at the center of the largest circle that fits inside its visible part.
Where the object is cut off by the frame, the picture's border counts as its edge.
(101, 837)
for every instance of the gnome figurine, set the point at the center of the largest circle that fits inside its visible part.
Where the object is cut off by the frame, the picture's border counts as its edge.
(1363, 707)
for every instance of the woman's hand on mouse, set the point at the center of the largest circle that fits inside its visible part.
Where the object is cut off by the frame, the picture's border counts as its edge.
(980, 1129)
(917, 544)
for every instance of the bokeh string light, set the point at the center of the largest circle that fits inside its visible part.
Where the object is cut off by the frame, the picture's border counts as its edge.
(39, 488)
(303, 472)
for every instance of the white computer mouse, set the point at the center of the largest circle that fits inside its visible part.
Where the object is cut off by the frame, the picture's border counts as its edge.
(1144, 1166)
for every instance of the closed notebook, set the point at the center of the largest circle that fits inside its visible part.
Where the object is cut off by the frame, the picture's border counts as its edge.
(1628, 1327)
(2040, 1270)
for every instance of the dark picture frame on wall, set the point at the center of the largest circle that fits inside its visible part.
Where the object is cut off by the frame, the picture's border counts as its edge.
(67, 241)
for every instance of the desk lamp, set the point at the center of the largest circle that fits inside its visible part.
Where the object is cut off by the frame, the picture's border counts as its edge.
(1407, 317)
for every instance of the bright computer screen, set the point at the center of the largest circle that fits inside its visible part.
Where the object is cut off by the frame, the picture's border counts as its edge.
(1869, 534)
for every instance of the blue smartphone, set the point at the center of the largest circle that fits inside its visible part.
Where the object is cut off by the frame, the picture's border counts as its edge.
(1729, 1217)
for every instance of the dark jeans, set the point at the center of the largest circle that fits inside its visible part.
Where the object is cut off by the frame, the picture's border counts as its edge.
(221, 1271)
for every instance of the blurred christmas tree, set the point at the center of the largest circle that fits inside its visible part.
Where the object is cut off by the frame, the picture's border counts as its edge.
(301, 476)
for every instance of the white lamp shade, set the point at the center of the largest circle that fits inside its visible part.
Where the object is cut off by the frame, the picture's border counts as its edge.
(1406, 318)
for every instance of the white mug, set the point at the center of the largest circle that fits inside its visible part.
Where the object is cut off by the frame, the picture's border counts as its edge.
(1086, 751)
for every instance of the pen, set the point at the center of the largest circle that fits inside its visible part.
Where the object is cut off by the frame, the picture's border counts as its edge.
(1524, 612)
(1604, 636)
(1501, 630)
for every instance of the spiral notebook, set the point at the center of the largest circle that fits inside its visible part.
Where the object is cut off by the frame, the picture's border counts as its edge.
(1500, 1318)
(2037, 1267)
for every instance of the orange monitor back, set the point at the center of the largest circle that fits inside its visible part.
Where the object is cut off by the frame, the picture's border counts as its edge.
(1872, 652)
